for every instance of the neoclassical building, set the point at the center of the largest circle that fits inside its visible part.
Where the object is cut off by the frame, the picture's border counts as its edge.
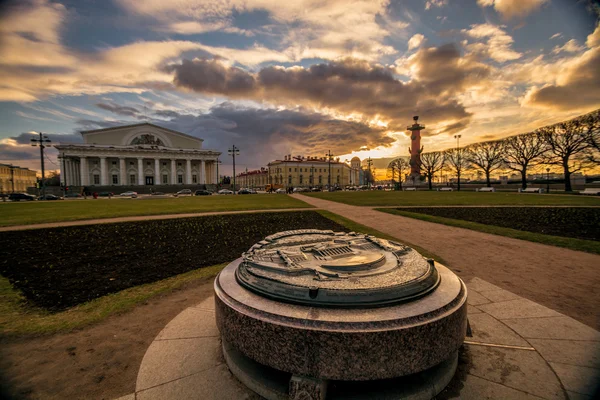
(137, 155)
(16, 179)
(303, 171)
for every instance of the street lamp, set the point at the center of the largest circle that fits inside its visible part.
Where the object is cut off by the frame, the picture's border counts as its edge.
(458, 158)
(218, 180)
(42, 142)
(328, 155)
(233, 151)
(547, 180)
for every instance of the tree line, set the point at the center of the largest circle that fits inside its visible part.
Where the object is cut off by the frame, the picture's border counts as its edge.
(571, 145)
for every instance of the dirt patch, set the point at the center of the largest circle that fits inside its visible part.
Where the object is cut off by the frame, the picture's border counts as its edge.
(67, 266)
(97, 362)
(575, 222)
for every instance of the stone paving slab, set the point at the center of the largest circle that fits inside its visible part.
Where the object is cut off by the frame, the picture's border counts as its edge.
(167, 360)
(519, 350)
(582, 380)
(560, 327)
(580, 352)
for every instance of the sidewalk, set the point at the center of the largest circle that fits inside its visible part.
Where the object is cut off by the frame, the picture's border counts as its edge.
(564, 280)
(519, 350)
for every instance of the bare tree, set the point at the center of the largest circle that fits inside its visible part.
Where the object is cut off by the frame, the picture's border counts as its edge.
(522, 152)
(592, 127)
(486, 156)
(567, 142)
(431, 164)
(457, 160)
(399, 165)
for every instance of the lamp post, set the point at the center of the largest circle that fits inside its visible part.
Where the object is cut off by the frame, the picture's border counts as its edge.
(233, 151)
(328, 155)
(218, 181)
(547, 180)
(42, 143)
(369, 162)
(459, 159)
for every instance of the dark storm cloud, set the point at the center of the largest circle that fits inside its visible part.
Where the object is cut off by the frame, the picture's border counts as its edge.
(25, 138)
(119, 110)
(210, 76)
(580, 87)
(348, 86)
(442, 70)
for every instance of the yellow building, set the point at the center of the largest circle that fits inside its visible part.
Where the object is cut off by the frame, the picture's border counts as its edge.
(256, 179)
(16, 179)
(303, 171)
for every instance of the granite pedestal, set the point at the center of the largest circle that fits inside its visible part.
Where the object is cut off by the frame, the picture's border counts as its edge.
(313, 346)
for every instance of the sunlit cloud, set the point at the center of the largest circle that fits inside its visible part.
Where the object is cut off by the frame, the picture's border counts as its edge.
(513, 8)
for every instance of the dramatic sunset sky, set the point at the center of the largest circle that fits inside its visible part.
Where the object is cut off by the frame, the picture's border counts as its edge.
(301, 77)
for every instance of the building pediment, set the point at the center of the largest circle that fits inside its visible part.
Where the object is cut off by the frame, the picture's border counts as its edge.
(144, 134)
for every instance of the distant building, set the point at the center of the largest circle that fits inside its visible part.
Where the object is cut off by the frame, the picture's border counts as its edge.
(258, 178)
(137, 155)
(303, 171)
(16, 179)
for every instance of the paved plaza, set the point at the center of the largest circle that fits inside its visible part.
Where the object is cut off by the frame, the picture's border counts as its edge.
(519, 349)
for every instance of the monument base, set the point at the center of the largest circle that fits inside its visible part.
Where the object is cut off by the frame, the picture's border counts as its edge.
(273, 384)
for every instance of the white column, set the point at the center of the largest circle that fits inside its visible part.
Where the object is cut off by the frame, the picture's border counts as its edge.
(62, 170)
(103, 171)
(123, 171)
(203, 172)
(215, 170)
(188, 172)
(140, 171)
(173, 172)
(156, 171)
(84, 171)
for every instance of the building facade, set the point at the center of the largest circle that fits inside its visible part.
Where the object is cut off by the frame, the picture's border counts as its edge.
(16, 179)
(302, 171)
(137, 155)
(258, 178)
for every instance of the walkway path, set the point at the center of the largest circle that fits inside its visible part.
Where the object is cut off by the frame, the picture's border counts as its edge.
(141, 218)
(564, 280)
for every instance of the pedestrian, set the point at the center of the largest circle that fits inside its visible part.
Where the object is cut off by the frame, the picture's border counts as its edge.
(95, 195)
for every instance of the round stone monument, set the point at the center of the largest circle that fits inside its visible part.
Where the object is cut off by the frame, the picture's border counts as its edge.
(313, 314)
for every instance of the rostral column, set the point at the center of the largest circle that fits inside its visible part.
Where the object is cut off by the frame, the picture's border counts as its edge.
(415, 149)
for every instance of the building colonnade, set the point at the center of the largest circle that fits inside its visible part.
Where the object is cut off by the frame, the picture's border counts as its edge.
(95, 170)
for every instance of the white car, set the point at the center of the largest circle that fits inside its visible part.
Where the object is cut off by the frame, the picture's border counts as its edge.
(184, 192)
(280, 191)
(224, 191)
(129, 194)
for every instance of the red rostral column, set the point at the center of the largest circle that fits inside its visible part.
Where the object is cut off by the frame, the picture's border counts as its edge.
(415, 148)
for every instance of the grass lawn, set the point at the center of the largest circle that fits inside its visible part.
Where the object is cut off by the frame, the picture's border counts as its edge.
(435, 198)
(20, 317)
(25, 213)
(589, 246)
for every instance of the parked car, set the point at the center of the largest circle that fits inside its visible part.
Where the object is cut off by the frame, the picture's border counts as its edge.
(157, 194)
(315, 189)
(202, 193)
(50, 197)
(244, 191)
(224, 191)
(106, 194)
(184, 192)
(301, 189)
(21, 196)
(130, 193)
(280, 191)
(72, 194)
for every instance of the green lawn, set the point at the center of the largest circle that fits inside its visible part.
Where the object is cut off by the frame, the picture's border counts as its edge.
(25, 213)
(435, 198)
(589, 246)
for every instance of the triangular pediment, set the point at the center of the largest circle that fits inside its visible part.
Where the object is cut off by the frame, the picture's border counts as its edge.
(144, 134)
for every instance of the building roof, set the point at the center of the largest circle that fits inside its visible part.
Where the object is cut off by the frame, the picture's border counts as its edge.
(141, 124)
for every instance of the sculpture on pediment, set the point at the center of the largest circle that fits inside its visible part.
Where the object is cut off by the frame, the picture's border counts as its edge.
(147, 139)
